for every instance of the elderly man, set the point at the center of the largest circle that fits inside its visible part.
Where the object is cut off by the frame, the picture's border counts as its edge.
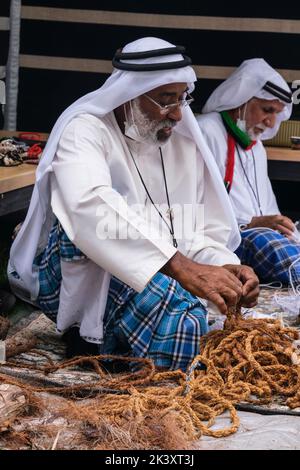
(245, 109)
(103, 249)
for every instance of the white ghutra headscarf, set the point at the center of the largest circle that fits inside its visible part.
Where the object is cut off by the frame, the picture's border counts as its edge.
(121, 87)
(247, 82)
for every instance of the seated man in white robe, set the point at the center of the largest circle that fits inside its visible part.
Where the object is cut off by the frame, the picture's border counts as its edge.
(129, 226)
(245, 109)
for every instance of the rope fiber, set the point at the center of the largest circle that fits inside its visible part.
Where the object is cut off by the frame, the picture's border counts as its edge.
(250, 360)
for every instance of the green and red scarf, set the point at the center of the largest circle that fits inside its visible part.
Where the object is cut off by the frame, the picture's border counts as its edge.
(235, 136)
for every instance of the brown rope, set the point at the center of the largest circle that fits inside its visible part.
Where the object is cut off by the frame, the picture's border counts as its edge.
(250, 360)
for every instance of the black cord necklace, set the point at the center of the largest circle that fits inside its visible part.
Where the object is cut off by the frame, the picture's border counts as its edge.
(255, 193)
(171, 228)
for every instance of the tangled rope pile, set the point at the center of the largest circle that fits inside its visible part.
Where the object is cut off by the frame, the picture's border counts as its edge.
(250, 360)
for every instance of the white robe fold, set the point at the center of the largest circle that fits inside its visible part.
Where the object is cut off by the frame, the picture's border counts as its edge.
(95, 185)
(85, 172)
(248, 195)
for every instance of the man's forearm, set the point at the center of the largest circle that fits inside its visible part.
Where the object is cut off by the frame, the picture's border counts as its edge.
(174, 266)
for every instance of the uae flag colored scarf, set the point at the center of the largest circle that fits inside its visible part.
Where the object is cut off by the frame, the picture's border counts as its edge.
(235, 136)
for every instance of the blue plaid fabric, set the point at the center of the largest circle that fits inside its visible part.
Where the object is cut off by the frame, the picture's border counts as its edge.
(164, 322)
(58, 247)
(271, 255)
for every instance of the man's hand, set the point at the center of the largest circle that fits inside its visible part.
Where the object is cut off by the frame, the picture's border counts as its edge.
(215, 283)
(283, 224)
(250, 283)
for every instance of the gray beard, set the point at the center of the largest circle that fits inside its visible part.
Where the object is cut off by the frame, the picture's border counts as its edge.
(253, 135)
(148, 128)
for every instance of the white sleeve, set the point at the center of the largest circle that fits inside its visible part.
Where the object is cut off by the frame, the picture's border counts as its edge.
(215, 254)
(215, 141)
(216, 227)
(89, 210)
(272, 207)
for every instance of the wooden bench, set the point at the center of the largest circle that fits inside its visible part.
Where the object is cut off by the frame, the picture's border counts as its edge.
(16, 182)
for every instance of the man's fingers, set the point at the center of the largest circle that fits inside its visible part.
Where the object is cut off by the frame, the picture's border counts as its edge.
(287, 223)
(250, 284)
(231, 296)
(285, 231)
(250, 287)
(249, 279)
(250, 299)
(216, 299)
(236, 287)
(232, 281)
(231, 272)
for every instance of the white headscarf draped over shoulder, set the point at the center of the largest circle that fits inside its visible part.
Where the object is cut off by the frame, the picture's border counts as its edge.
(121, 87)
(244, 83)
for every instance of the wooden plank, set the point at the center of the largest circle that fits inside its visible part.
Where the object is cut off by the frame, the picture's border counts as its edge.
(283, 154)
(157, 20)
(12, 178)
(15, 177)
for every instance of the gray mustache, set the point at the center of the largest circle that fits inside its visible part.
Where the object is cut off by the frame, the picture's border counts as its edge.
(167, 123)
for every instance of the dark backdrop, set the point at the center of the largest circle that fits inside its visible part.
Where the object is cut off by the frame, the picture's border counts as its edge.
(45, 93)
(4, 41)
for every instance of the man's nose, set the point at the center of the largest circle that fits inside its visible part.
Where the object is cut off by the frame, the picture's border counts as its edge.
(270, 121)
(175, 113)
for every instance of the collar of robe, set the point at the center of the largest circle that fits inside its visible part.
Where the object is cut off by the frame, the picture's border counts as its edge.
(242, 138)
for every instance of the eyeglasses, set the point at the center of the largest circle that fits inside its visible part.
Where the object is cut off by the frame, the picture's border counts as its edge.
(166, 108)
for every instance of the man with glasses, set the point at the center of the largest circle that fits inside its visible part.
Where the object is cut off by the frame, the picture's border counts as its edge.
(128, 228)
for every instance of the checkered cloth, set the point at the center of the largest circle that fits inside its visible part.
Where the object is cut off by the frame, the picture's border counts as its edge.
(164, 322)
(58, 248)
(272, 256)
